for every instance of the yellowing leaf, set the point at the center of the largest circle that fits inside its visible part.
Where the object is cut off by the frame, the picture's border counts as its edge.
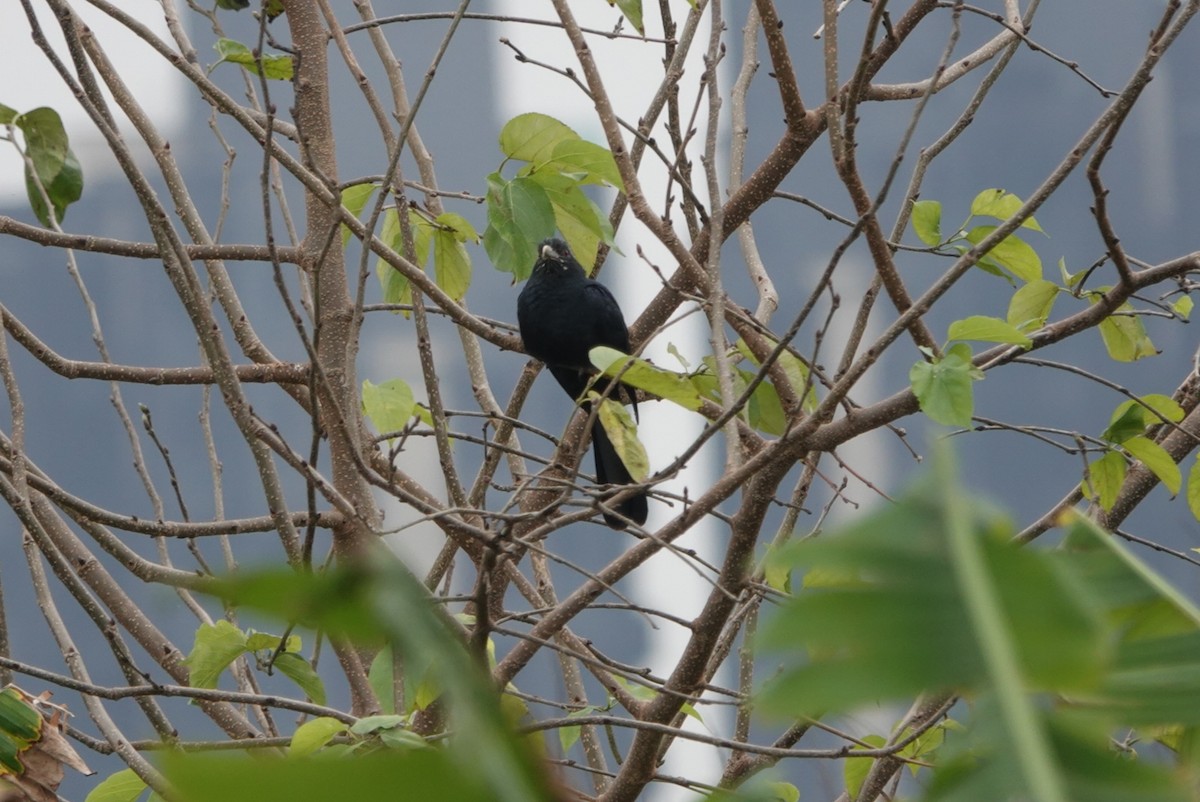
(1030, 305)
(644, 376)
(1157, 460)
(389, 405)
(1002, 205)
(1125, 337)
(1013, 253)
(622, 432)
(274, 67)
(312, 735)
(987, 329)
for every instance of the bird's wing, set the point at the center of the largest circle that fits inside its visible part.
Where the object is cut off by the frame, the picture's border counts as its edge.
(607, 321)
(609, 329)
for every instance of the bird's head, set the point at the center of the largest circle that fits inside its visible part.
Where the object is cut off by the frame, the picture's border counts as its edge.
(554, 254)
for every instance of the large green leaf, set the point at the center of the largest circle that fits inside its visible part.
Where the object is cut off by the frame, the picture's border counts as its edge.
(581, 222)
(898, 624)
(520, 216)
(217, 645)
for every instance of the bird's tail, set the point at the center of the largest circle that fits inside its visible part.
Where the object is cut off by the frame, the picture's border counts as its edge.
(611, 470)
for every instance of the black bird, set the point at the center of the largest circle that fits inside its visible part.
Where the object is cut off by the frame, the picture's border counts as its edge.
(563, 314)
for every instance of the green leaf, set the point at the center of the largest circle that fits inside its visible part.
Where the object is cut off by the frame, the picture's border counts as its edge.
(1125, 337)
(381, 677)
(1132, 418)
(312, 735)
(7, 115)
(1031, 304)
(121, 786)
(274, 67)
(1104, 478)
(777, 573)
(622, 432)
(520, 216)
(581, 222)
(54, 164)
(369, 725)
(568, 736)
(233, 5)
(451, 263)
(354, 199)
(18, 718)
(1001, 205)
(389, 405)
(853, 643)
(1157, 460)
(1193, 489)
(765, 410)
(301, 672)
(987, 329)
(460, 226)
(217, 645)
(927, 221)
(532, 137)
(46, 141)
(1013, 253)
(1070, 279)
(944, 386)
(855, 769)
(632, 9)
(644, 376)
(379, 597)
(591, 163)
(795, 370)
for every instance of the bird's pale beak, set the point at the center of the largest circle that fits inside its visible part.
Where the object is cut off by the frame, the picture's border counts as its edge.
(549, 254)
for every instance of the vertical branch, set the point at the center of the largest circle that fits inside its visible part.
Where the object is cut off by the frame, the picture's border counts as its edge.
(336, 332)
